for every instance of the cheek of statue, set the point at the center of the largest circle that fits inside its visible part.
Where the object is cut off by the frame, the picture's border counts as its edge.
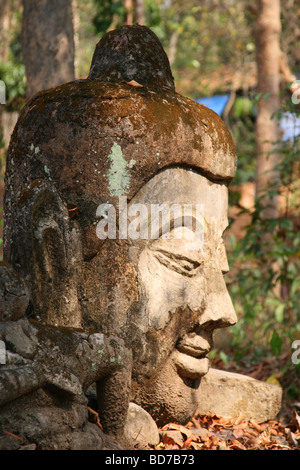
(182, 293)
(184, 300)
(170, 276)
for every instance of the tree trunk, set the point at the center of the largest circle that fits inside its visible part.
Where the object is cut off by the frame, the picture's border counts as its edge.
(140, 15)
(174, 41)
(76, 25)
(47, 43)
(4, 28)
(128, 4)
(268, 53)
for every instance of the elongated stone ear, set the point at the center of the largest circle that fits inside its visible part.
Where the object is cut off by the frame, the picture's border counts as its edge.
(50, 254)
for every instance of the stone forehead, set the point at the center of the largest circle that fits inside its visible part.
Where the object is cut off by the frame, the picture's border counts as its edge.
(107, 139)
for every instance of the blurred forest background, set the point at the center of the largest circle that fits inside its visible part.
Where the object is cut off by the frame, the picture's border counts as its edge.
(242, 58)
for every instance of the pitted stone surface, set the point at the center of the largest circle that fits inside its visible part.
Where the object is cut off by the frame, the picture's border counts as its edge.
(229, 394)
(135, 316)
(14, 294)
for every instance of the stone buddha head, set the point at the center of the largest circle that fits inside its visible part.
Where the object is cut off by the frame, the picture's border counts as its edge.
(115, 206)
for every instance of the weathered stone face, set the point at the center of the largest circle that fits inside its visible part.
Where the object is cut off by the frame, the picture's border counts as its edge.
(94, 142)
(182, 293)
(89, 143)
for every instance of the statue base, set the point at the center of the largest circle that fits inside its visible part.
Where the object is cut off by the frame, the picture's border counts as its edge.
(228, 394)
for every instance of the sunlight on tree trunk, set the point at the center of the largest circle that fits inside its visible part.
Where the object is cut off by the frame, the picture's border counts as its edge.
(174, 41)
(47, 43)
(140, 12)
(128, 4)
(267, 36)
(76, 25)
(4, 28)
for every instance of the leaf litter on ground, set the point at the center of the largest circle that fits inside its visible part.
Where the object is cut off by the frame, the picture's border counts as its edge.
(212, 432)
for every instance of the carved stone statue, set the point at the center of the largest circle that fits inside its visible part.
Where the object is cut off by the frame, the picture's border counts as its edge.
(43, 384)
(115, 206)
(182, 294)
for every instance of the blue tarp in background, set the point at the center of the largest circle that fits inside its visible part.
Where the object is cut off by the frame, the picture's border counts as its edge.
(290, 125)
(217, 103)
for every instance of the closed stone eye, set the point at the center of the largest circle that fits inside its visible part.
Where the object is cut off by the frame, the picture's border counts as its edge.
(178, 263)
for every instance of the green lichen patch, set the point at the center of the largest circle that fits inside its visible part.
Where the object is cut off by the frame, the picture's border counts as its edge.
(118, 174)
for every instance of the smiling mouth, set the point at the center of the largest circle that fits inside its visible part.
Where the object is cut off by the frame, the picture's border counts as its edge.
(190, 356)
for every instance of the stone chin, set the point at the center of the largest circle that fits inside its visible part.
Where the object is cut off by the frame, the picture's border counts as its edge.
(190, 367)
(170, 391)
(171, 396)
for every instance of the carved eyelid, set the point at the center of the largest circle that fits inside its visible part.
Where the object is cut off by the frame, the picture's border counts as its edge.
(177, 262)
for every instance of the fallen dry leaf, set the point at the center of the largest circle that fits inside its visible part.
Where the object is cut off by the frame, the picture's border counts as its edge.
(196, 445)
(170, 426)
(250, 433)
(29, 447)
(291, 437)
(255, 425)
(237, 445)
(195, 423)
(188, 442)
(211, 432)
(240, 418)
(13, 435)
(172, 437)
(238, 433)
(72, 211)
(134, 83)
(295, 420)
(223, 446)
(265, 436)
(159, 446)
(95, 417)
(279, 447)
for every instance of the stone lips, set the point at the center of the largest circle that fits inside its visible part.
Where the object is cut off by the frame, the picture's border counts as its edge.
(96, 141)
(189, 366)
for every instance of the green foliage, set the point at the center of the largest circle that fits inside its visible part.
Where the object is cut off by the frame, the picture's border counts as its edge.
(12, 71)
(243, 107)
(242, 127)
(107, 10)
(13, 75)
(208, 35)
(276, 343)
(266, 284)
(293, 392)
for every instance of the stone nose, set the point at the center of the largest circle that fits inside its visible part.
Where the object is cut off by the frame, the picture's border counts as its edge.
(217, 309)
(218, 312)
